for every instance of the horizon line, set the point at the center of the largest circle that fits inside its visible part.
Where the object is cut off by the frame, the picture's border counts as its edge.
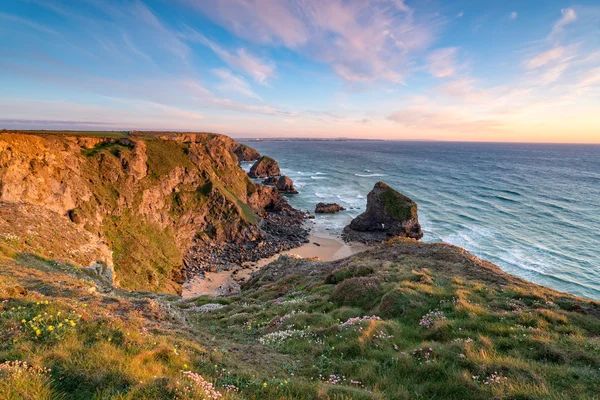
(283, 138)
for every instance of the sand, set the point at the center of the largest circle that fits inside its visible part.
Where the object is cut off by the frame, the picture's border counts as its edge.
(321, 245)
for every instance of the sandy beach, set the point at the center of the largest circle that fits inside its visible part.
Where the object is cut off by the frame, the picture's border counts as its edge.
(321, 245)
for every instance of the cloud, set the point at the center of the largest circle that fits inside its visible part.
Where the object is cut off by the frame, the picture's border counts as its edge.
(27, 22)
(546, 57)
(234, 83)
(362, 40)
(442, 62)
(460, 14)
(568, 16)
(442, 120)
(242, 61)
(513, 15)
(590, 78)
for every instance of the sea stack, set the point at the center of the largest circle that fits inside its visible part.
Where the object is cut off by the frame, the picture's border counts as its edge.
(264, 167)
(389, 214)
(286, 185)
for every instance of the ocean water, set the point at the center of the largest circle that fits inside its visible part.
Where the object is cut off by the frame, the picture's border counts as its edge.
(532, 209)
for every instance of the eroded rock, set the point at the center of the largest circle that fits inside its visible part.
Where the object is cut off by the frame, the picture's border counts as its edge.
(285, 185)
(328, 208)
(389, 214)
(264, 167)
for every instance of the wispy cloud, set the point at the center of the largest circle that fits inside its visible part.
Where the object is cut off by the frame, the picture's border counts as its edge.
(234, 83)
(442, 63)
(546, 57)
(241, 60)
(568, 17)
(513, 15)
(362, 40)
(26, 22)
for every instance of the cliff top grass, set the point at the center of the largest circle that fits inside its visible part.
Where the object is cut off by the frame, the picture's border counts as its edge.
(406, 320)
(111, 134)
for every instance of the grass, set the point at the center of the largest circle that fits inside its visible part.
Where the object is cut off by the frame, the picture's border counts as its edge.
(397, 205)
(71, 133)
(164, 156)
(405, 321)
(145, 255)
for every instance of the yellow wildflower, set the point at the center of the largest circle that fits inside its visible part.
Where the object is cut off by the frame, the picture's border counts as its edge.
(38, 332)
(50, 328)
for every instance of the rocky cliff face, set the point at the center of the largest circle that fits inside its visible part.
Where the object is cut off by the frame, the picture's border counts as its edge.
(389, 214)
(246, 153)
(149, 196)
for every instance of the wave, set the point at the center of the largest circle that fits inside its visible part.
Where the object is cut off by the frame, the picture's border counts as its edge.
(368, 175)
(320, 173)
(319, 177)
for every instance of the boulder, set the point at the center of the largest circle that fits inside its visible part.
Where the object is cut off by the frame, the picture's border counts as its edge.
(271, 181)
(246, 153)
(285, 185)
(264, 167)
(389, 214)
(329, 208)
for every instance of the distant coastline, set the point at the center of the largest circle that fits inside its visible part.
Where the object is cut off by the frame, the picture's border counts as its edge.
(301, 139)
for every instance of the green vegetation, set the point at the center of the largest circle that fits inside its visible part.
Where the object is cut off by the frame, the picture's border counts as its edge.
(397, 205)
(145, 255)
(113, 147)
(73, 133)
(164, 156)
(407, 321)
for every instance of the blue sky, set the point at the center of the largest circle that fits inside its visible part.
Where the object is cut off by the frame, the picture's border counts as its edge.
(463, 70)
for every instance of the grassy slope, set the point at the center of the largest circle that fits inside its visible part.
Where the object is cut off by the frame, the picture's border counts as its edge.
(286, 338)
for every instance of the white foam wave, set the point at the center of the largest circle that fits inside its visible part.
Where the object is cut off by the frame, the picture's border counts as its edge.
(319, 177)
(368, 175)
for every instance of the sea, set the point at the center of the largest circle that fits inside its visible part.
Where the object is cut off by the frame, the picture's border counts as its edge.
(532, 209)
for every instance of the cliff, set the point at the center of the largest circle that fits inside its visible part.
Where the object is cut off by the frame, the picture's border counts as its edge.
(150, 197)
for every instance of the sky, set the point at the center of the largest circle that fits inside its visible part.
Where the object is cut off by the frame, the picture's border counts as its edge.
(470, 70)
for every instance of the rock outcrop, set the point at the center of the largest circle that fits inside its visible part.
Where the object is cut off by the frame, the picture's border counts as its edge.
(271, 181)
(389, 214)
(156, 199)
(285, 185)
(264, 167)
(246, 153)
(328, 208)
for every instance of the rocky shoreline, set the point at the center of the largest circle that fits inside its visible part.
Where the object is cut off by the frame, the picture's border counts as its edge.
(283, 231)
(281, 227)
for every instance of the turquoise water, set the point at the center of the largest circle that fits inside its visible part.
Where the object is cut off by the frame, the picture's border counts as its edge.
(532, 209)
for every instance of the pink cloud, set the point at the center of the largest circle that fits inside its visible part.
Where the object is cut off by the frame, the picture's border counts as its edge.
(361, 39)
(442, 63)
